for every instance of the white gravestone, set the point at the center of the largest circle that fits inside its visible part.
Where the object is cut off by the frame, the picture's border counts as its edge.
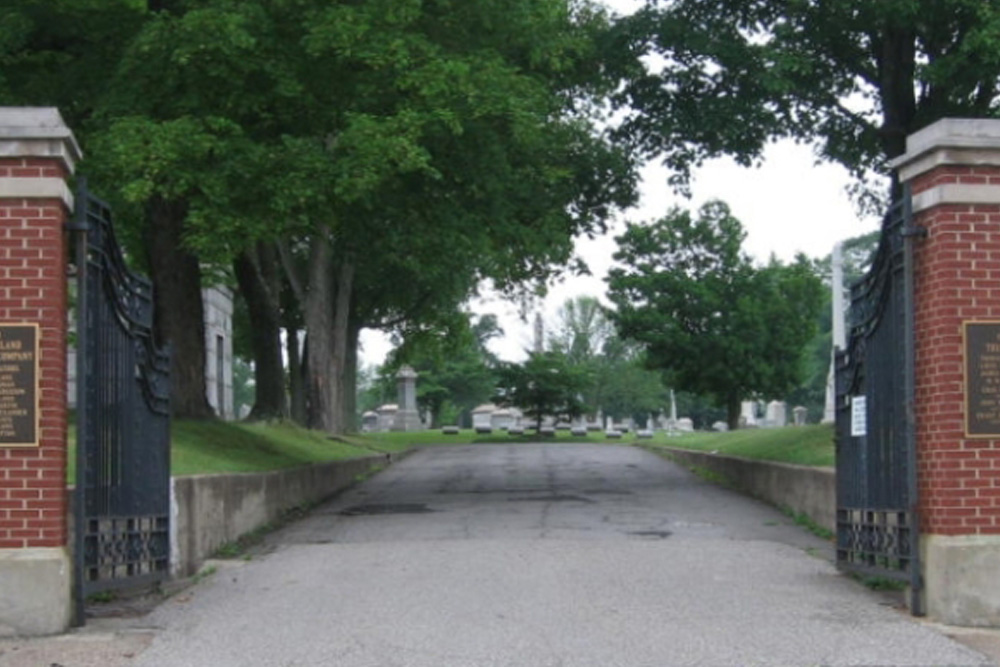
(482, 416)
(387, 416)
(407, 418)
(777, 414)
(801, 415)
(839, 327)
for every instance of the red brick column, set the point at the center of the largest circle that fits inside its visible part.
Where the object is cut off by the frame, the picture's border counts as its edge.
(37, 155)
(953, 168)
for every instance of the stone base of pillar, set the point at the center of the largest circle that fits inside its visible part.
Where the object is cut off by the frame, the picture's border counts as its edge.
(960, 579)
(407, 420)
(35, 591)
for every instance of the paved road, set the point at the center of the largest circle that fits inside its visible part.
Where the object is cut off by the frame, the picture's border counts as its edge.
(538, 556)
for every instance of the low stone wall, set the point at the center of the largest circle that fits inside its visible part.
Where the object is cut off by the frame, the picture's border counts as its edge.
(806, 489)
(208, 511)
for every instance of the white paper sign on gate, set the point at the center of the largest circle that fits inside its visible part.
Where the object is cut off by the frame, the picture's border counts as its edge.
(859, 416)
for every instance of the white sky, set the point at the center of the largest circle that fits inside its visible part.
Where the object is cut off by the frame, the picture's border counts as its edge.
(787, 205)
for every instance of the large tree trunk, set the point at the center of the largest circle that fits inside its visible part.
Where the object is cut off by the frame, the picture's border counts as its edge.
(179, 313)
(350, 390)
(733, 404)
(896, 56)
(257, 274)
(320, 379)
(341, 344)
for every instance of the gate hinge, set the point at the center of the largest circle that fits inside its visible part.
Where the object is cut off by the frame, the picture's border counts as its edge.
(914, 231)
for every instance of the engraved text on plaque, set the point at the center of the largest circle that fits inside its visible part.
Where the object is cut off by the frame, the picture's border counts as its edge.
(18, 385)
(982, 379)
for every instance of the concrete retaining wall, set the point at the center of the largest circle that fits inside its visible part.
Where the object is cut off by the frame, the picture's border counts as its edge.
(806, 489)
(210, 510)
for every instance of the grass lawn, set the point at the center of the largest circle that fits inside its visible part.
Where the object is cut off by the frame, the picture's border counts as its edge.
(805, 445)
(216, 447)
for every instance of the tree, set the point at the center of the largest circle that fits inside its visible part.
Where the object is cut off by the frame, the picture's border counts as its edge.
(853, 76)
(618, 383)
(582, 329)
(629, 389)
(546, 385)
(706, 316)
(66, 54)
(455, 139)
(456, 371)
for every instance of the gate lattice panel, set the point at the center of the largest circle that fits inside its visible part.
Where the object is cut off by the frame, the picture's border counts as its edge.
(877, 527)
(123, 418)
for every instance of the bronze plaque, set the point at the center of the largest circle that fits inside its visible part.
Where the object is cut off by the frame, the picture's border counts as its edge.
(982, 379)
(18, 385)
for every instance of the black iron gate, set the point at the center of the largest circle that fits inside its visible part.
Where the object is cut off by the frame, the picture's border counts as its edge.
(877, 524)
(122, 503)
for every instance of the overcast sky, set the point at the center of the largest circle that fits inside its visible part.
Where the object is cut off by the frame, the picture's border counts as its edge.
(788, 205)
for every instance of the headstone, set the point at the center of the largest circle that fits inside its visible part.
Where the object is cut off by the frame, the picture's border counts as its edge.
(387, 416)
(563, 426)
(482, 416)
(685, 425)
(369, 421)
(547, 431)
(450, 430)
(748, 413)
(579, 431)
(502, 419)
(801, 414)
(483, 430)
(720, 426)
(777, 416)
(644, 434)
(515, 430)
(612, 434)
(839, 328)
(407, 417)
(593, 426)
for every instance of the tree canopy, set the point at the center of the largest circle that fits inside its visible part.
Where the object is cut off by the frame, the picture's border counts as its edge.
(456, 370)
(714, 322)
(703, 79)
(546, 384)
(362, 164)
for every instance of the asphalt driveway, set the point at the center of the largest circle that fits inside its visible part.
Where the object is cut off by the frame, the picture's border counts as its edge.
(521, 556)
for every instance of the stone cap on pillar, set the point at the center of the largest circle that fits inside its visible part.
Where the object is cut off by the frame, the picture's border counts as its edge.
(406, 373)
(952, 142)
(964, 141)
(37, 132)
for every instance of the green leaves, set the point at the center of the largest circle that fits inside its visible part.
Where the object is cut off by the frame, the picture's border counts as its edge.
(705, 315)
(544, 385)
(853, 77)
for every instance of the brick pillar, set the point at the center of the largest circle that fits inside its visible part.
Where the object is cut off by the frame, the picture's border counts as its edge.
(37, 155)
(953, 168)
